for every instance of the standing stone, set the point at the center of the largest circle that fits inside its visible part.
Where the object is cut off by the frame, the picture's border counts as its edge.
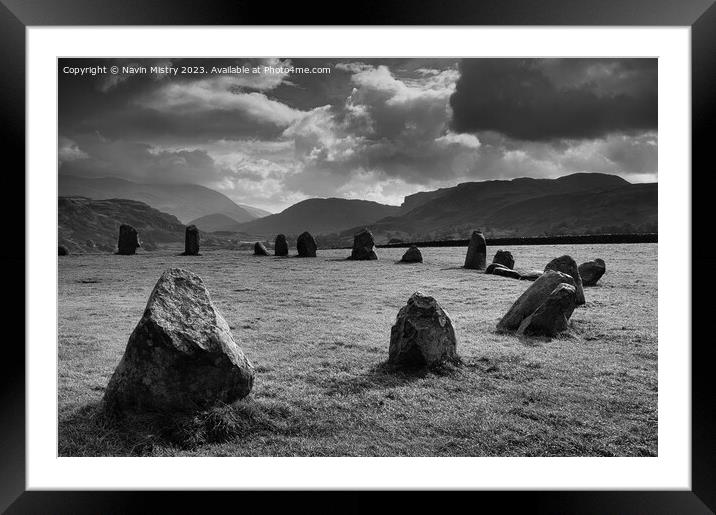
(504, 257)
(423, 334)
(532, 298)
(181, 356)
(412, 255)
(363, 246)
(592, 271)
(128, 240)
(191, 241)
(260, 249)
(552, 316)
(567, 265)
(306, 245)
(476, 252)
(62, 250)
(280, 247)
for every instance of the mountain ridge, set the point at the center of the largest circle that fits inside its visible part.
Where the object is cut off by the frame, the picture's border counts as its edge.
(572, 204)
(185, 201)
(86, 224)
(319, 216)
(216, 222)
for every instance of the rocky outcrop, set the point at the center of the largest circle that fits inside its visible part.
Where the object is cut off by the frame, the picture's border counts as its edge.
(181, 356)
(552, 316)
(567, 265)
(412, 255)
(592, 271)
(306, 245)
(363, 246)
(532, 298)
(476, 252)
(504, 257)
(128, 241)
(191, 241)
(280, 247)
(423, 335)
(260, 249)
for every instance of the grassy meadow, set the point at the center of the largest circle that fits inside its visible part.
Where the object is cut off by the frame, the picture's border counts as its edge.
(318, 330)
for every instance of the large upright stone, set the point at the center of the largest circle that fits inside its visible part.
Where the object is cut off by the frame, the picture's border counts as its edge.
(128, 240)
(412, 255)
(191, 241)
(260, 249)
(306, 245)
(280, 247)
(363, 246)
(181, 356)
(423, 334)
(592, 271)
(476, 252)
(532, 298)
(504, 257)
(552, 316)
(567, 265)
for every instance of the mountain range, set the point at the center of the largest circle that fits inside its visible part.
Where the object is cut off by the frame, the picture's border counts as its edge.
(573, 204)
(319, 216)
(185, 201)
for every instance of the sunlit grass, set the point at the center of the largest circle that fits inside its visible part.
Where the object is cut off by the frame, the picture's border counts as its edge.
(317, 331)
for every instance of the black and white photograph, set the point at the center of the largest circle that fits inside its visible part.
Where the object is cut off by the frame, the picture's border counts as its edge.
(357, 257)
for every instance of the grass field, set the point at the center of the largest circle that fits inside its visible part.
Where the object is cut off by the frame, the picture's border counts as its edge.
(317, 331)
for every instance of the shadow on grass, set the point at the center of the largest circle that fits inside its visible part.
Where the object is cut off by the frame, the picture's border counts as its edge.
(463, 269)
(386, 376)
(95, 431)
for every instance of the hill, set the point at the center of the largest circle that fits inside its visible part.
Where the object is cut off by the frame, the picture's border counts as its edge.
(216, 222)
(574, 204)
(320, 216)
(256, 212)
(521, 186)
(93, 225)
(185, 201)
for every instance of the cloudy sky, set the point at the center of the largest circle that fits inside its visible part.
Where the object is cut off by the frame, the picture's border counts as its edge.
(375, 129)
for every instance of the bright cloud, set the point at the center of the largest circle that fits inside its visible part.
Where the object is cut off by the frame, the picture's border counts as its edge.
(376, 129)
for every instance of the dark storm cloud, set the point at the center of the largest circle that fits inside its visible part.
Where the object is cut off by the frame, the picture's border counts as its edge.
(375, 129)
(172, 108)
(548, 99)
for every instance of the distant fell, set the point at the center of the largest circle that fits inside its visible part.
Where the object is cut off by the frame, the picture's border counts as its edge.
(87, 225)
(216, 222)
(524, 186)
(320, 216)
(575, 204)
(185, 201)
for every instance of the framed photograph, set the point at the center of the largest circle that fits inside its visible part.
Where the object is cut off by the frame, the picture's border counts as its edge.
(417, 252)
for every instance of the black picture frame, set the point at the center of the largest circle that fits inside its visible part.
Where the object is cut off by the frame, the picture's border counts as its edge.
(17, 15)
